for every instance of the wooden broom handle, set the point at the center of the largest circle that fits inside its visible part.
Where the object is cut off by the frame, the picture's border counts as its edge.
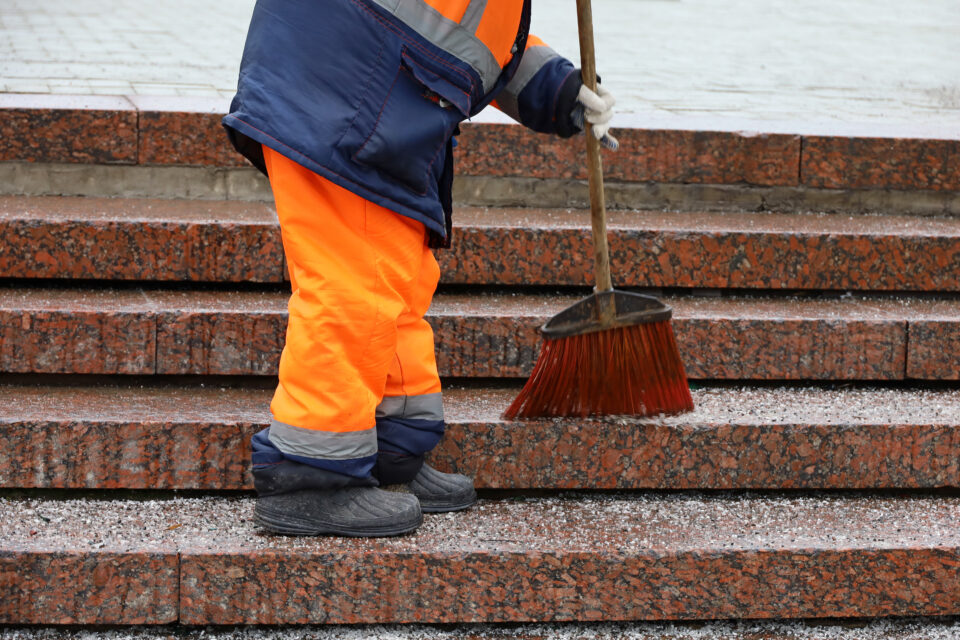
(598, 212)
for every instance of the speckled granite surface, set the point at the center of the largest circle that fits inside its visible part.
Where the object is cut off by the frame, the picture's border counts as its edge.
(644, 155)
(208, 333)
(198, 438)
(132, 239)
(87, 129)
(933, 349)
(616, 557)
(78, 587)
(66, 331)
(889, 629)
(139, 239)
(842, 162)
(134, 130)
(176, 131)
(715, 250)
(241, 332)
(718, 338)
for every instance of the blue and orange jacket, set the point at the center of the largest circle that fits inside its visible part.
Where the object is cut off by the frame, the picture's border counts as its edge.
(369, 93)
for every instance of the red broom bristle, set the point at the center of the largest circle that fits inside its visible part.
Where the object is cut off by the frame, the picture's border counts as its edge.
(629, 371)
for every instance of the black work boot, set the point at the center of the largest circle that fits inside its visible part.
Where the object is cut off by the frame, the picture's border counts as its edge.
(350, 511)
(439, 492)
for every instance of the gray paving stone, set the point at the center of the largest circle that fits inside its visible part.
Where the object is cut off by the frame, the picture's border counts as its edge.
(809, 61)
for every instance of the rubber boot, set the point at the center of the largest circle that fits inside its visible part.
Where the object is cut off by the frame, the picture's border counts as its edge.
(440, 492)
(352, 511)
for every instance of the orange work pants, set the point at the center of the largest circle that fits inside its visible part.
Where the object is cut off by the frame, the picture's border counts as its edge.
(358, 374)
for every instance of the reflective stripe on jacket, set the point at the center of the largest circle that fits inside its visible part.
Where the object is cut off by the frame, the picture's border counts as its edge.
(369, 93)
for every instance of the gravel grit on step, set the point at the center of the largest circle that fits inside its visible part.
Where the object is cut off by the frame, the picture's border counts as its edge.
(713, 405)
(614, 523)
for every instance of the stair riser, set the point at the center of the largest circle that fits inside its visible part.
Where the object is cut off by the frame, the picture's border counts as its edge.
(934, 350)
(228, 343)
(114, 130)
(715, 157)
(105, 250)
(571, 454)
(570, 558)
(693, 259)
(487, 191)
(246, 184)
(224, 252)
(727, 349)
(878, 629)
(517, 587)
(235, 588)
(81, 586)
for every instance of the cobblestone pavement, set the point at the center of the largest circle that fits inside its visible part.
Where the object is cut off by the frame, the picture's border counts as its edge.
(871, 62)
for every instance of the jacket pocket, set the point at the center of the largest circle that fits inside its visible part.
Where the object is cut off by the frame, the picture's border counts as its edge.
(417, 117)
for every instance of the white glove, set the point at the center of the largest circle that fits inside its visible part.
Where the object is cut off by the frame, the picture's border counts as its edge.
(597, 109)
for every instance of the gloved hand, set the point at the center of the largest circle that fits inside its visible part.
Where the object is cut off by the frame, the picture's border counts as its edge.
(597, 109)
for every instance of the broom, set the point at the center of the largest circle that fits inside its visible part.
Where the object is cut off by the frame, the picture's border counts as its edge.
(614, 352)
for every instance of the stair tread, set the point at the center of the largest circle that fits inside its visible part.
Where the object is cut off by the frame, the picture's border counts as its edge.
(153, 331)
(485, 304)
(134, 210)
(792, 223)
(714, 405)
(748, 437)
(612, 523)
(195, 241)
(853, 307)
(644, 557)
(162, 210)
(689, 153)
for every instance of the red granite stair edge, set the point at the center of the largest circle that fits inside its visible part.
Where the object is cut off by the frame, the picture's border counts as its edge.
(179, 131)
(856, 629)
(552, 587)
(161, 448)
(222, 588)
(213, 333)
(170, 240)
(89, 587)
(612, 558)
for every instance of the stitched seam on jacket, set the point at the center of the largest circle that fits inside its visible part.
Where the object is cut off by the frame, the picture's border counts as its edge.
(405, 56)
(363, 95)
(383, 108)
(376, 124)
(417, 45)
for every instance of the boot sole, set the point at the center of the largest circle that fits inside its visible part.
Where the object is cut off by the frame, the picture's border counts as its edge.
(288, 526)
(445, 507)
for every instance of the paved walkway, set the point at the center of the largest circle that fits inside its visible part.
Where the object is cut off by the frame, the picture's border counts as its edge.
(861, 62)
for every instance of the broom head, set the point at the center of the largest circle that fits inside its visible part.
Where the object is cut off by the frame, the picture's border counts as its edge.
(612, 353)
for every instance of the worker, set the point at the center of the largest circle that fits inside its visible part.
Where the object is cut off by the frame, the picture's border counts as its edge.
(351, 108)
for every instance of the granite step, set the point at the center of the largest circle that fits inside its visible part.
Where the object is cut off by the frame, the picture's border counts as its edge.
(139, 239)
(174, 437)
(616, 557)
(877, 629)
(143, 130)
(183, 240)
(148, 331)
